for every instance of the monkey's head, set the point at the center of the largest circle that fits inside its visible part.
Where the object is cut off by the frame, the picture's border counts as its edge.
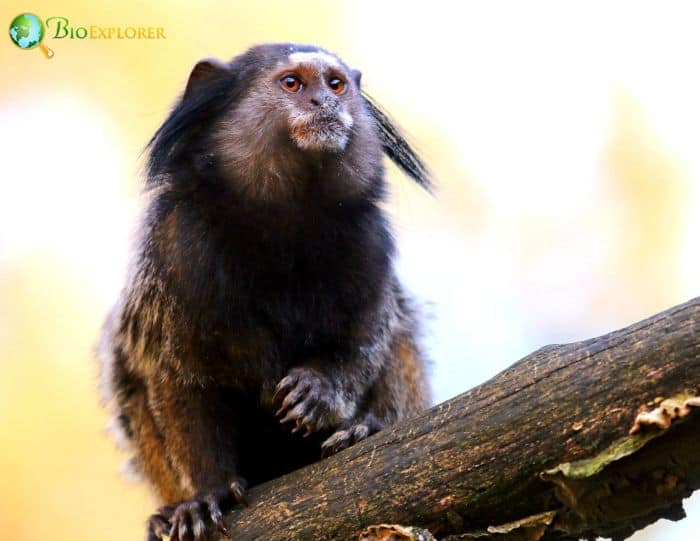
(277, 121)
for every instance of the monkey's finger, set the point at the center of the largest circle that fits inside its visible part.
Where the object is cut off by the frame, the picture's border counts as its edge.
(155, 533)
(196, 510)
(339, 435)
(279, 393)
(173, 533)
(359, 432)
(298, 426)
(199, 529)
(329, 449)
(337, 442)
(283, 386)
(158, 526)
(184, 531)
(309, 421)
(292, 415)
(238, 489)
(338, 446)
(294, 396)
(177, 522)
(287, 418)
(215, 514)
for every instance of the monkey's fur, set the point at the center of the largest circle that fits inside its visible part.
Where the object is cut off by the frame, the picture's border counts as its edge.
(262, 299)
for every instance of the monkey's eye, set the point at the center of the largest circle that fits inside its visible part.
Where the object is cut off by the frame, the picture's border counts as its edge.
(291, 83)
(337, 85)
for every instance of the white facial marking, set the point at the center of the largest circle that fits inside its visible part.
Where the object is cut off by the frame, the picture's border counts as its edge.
(346, 119)
(316, 58)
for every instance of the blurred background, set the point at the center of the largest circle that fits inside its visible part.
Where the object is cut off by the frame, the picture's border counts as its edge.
(563, 138)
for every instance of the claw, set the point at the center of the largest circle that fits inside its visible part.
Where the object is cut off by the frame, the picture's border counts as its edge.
(172, 534)
(294, 414)
(282, 387)
(308, 423)
(298, 426)
(215, 514)
(198, 527)
(293, 397)
(158, 526)
(287, 418)
(343, 439)
(183, 529)
(361, 432)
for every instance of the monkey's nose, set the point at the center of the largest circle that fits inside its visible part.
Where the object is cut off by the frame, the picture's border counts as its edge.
(318, 98)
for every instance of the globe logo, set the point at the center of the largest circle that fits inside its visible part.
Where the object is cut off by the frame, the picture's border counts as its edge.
(27, 31)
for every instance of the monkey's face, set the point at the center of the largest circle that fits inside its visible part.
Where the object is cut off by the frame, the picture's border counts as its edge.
(315, 93)
(295, 113)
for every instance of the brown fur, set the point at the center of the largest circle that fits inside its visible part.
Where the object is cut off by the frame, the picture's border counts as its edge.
(262, 298)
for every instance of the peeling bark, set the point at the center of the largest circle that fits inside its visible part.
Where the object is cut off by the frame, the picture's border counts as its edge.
(395, 532)
(594, 438)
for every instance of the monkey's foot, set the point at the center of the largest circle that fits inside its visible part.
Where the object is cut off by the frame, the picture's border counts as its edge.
(309, 400)
(198, 519)
(351, 433)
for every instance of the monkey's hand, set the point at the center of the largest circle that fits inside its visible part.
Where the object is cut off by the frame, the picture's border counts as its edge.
(198, 519)
(311, 401)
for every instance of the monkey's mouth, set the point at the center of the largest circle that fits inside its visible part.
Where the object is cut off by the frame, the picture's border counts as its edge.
(321, 131)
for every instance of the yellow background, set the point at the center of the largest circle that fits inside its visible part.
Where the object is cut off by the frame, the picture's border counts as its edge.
(563, 139)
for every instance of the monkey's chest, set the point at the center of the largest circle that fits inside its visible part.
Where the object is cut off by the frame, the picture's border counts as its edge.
(285, 299)
(313, 291)
(305, 310)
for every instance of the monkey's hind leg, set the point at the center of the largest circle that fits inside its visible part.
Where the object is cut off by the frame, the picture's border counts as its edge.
(152, 458)
(197, 428)
(401, 391)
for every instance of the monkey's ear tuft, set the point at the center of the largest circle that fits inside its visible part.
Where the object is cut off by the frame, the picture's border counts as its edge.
(204, 72)
(210, 88)
(397, 148)
(356, 76)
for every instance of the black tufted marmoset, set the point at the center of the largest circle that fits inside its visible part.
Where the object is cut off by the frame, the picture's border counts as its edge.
(262, 304)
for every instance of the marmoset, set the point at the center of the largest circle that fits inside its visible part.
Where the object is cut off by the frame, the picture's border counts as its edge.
(261, 305)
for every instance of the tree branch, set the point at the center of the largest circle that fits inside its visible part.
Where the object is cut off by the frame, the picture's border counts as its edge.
(541, 451)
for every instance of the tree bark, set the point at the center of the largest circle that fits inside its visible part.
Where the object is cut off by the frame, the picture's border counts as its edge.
(573, 441)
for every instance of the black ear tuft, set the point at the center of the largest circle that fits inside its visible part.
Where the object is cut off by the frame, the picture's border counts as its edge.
(205, 71)
(397, 148)
(212, 85)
